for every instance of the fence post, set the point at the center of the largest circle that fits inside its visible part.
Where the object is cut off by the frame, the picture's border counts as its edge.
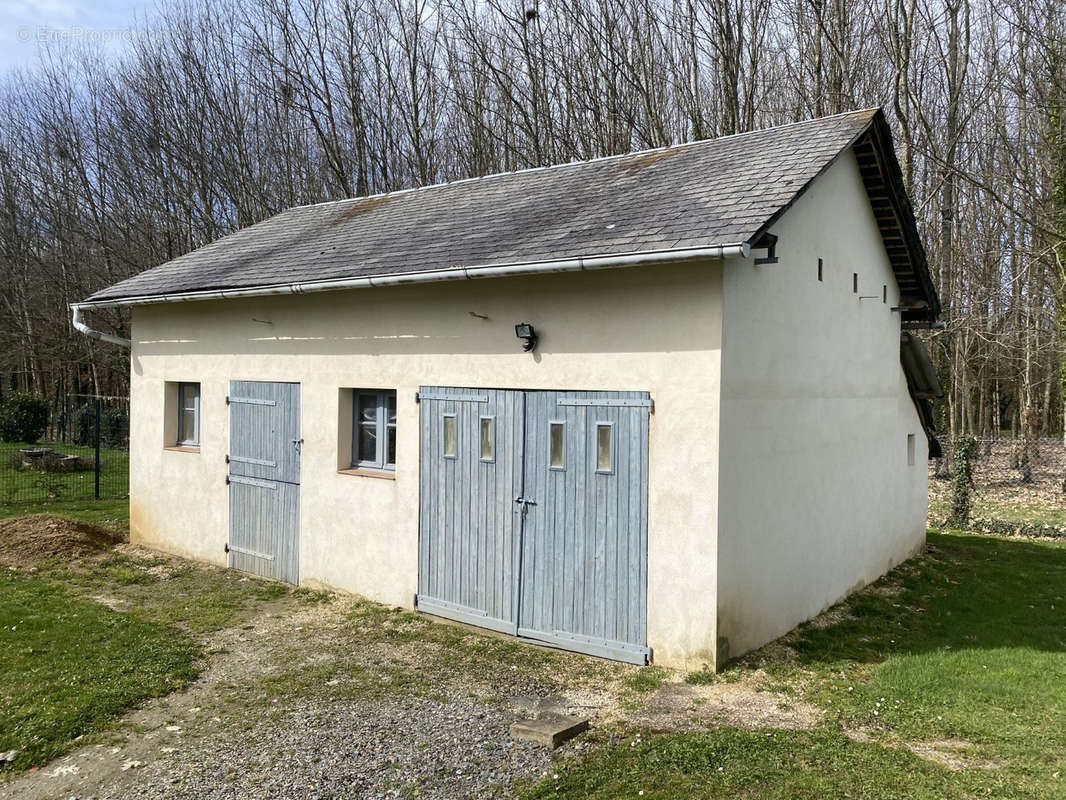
(96, 444)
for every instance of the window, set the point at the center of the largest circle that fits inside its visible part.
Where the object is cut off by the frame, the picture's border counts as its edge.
(488, 438)
(374, 430)
(188, 415)
(910, 449)
(556, 445)
(603, 447)
(448, 430)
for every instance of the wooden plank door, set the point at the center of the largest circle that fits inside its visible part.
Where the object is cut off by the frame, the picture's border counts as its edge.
(470, 471)
(583, 576)
(264, 479)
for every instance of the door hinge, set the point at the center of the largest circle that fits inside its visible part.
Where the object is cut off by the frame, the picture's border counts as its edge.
(418, 398)
(226, 545)
(227, 399)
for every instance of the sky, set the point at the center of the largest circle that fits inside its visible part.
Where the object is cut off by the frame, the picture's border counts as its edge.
(25, 24)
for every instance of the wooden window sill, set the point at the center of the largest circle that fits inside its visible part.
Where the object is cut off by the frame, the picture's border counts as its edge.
(368, 473)
(181, 448)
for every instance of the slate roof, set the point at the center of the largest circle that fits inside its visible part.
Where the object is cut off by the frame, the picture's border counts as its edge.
(703, 194)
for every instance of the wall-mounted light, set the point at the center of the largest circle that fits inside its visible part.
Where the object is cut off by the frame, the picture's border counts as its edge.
(525, 332)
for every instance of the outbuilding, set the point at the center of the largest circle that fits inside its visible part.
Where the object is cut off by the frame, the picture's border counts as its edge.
(664, 405)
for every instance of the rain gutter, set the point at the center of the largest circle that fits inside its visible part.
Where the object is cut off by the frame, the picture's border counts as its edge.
(580, 264)
(80, 325)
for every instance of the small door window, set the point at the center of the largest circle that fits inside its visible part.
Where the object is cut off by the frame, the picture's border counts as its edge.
(449, 436)
(488, 438)
(604, 446)
(557, 445)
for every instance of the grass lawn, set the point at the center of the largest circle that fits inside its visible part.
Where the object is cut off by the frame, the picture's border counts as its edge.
(111, 514)
(70, 665)
(733, 763)
(962, 651)
(946, 679)
(19, 485)
(1008, 505)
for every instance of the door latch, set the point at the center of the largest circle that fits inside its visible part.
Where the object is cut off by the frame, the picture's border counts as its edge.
(525, 501)
(298, 444)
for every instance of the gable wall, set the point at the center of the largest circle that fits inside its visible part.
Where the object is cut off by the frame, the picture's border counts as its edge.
(816, 495)
(653, 329)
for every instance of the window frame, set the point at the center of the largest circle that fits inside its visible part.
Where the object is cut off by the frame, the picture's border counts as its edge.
(384, 430)
(562, 446)
(454, 417)
(181, 439)
(609, 424)
(491, 419)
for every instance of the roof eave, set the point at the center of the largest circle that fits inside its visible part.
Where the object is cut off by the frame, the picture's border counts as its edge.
(926, 308)
(883, 179)
(577, 264)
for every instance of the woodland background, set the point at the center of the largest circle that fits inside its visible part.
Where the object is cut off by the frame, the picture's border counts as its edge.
(219, 114)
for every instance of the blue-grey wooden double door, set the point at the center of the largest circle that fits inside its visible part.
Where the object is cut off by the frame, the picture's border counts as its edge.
(264, 479)
(533, 517)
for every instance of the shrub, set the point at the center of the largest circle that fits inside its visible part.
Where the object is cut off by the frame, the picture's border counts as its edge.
(84, 426)
(114, 426)
(23, 418)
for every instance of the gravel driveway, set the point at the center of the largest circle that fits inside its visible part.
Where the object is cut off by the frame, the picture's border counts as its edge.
(414, 748)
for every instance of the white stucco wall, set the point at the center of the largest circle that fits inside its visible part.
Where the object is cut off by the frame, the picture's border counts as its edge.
(816, 495)
(650, 329)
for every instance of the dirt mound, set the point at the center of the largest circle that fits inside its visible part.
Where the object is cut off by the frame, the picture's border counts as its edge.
(24, 541)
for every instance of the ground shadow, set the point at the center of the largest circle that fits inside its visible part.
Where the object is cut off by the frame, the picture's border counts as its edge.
(963, 592)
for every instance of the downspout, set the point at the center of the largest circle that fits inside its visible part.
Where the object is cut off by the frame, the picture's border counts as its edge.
(742, 250)
(80, 325)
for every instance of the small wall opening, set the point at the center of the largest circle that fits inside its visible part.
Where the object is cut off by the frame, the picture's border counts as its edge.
(910, 449)
(819, 269)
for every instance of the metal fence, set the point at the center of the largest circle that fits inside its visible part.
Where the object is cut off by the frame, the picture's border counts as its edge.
(84, 454)
(1017, 486)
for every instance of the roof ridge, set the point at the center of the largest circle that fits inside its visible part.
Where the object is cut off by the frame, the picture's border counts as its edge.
(598, 159)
